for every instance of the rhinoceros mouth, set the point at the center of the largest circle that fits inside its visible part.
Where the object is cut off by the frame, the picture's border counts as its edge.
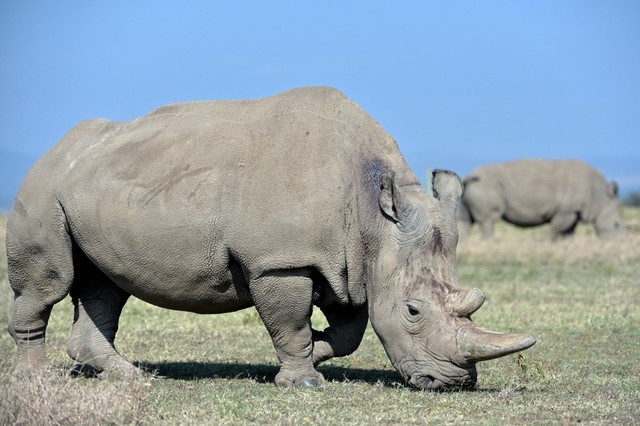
(428, 382)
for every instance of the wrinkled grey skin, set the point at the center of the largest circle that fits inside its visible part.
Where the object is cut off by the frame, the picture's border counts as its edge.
(211, 207)
(531, 192)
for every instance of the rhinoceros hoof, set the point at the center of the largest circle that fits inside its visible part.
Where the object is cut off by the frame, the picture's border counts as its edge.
(284, 380)
(311, 382)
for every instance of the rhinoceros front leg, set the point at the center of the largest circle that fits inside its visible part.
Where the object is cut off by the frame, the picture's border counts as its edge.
(343, 336)
(284, 304)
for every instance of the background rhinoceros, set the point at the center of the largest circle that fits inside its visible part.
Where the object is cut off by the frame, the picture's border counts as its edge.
(532, 192)
(210, 207)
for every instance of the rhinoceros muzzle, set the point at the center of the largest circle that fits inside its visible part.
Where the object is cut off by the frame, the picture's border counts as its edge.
(448, 377)
(436, 374)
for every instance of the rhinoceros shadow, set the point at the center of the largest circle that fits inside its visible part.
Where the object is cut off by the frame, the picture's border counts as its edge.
(263, 373)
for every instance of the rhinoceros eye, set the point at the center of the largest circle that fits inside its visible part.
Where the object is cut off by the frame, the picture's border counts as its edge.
(414, 309)
(413, 318)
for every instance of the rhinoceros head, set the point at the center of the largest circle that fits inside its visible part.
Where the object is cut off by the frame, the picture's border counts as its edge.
(608, 222)
(417, 309)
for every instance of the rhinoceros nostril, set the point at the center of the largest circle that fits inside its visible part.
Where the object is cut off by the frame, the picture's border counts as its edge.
(421, 382)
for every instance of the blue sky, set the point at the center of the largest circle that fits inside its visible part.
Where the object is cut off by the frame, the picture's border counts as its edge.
(459, 84)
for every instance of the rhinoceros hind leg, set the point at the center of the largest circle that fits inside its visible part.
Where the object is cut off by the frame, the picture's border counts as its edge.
(563, 225)
(98, 303)
(28, 328)
(283, 300)
(40, 269)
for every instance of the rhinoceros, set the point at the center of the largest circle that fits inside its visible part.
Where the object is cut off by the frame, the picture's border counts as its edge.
(531, 192)
(281, 203)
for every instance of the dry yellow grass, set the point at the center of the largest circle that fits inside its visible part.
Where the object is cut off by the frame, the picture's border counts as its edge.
(581, 248)
(53, 398)
(534, 245)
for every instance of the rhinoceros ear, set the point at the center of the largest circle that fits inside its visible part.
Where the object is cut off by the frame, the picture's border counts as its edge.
(395, 203)
(388, 193)
(447, 186)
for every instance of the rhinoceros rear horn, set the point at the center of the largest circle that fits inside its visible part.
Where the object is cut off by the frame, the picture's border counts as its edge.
(463, 303)
(476, 344)
(447, 186)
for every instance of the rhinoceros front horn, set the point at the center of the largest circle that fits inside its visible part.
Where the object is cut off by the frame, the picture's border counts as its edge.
(476, 344)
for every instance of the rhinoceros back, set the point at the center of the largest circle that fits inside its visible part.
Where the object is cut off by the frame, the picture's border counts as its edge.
(180, 194)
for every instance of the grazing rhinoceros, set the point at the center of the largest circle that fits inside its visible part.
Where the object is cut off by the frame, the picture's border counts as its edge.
(534, 192)
(279, 203)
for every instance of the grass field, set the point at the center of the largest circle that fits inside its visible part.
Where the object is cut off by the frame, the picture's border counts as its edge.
(579, 297)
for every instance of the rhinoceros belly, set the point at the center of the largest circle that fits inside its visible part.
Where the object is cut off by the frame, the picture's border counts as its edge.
(167, 257)
(525, 212)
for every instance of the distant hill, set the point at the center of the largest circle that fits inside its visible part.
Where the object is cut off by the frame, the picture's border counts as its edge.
(13, 169)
